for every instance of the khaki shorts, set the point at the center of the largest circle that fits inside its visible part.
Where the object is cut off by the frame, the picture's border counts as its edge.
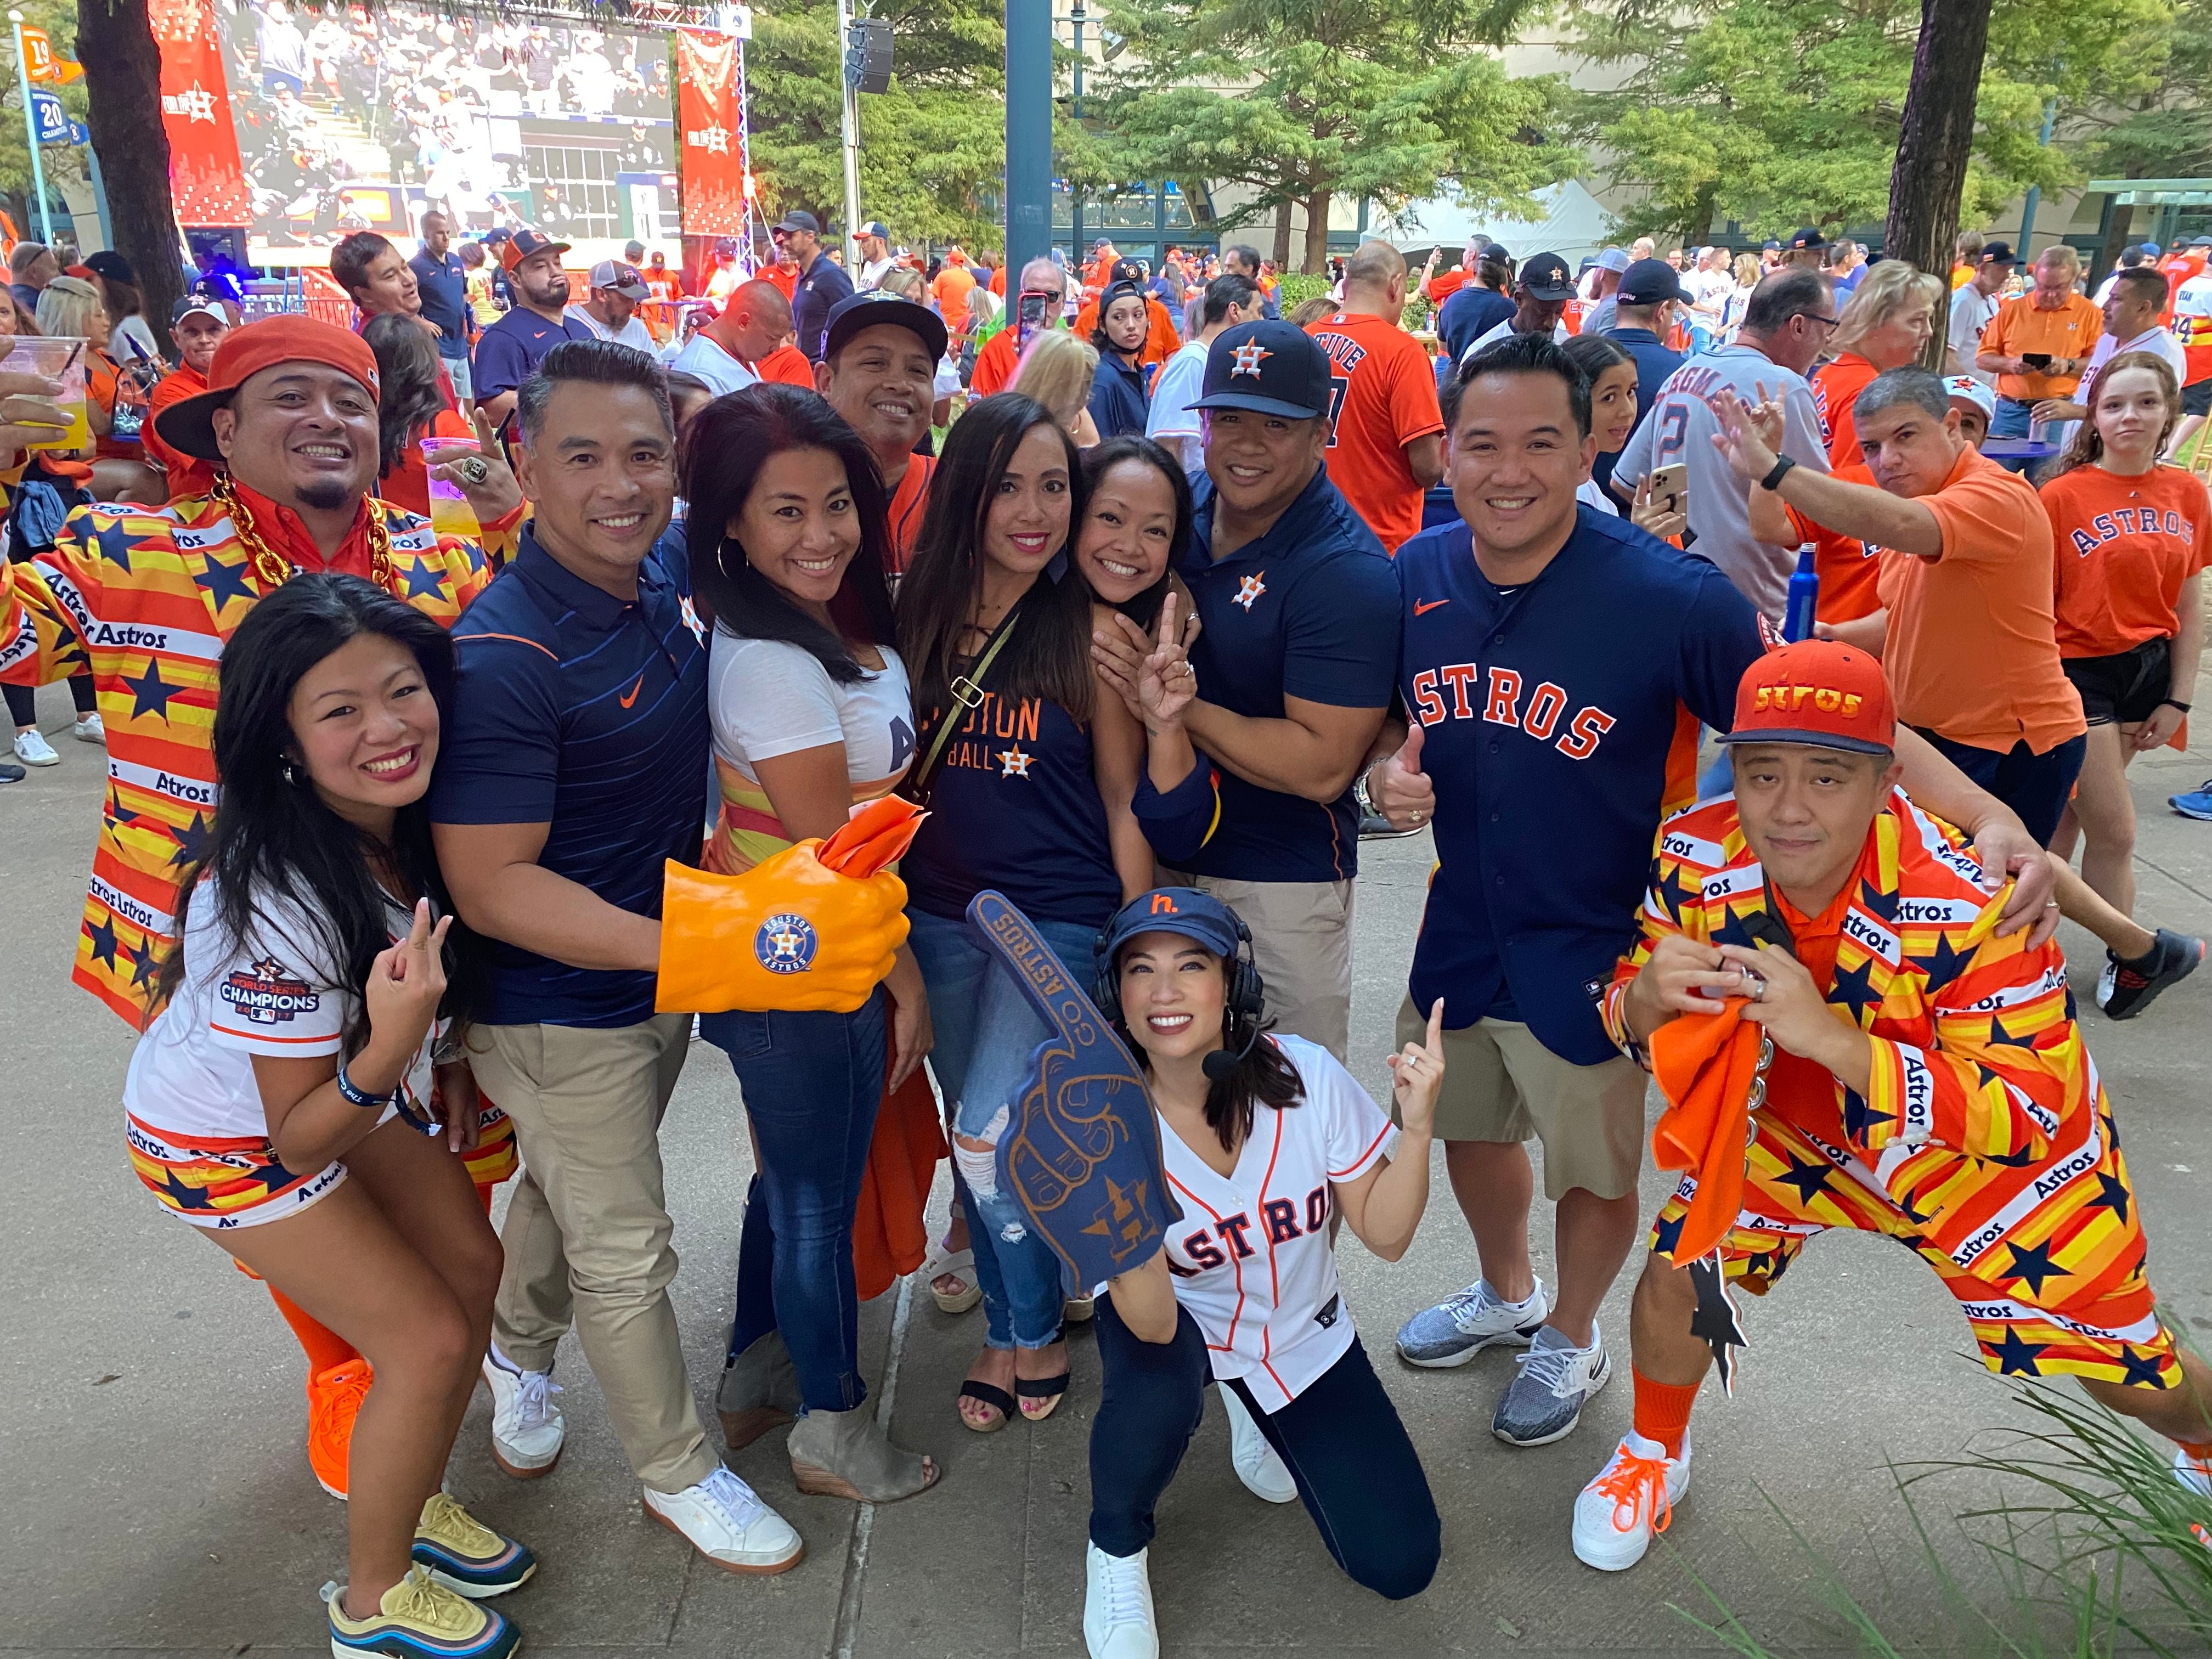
(1502, 1085)
(1302, 945)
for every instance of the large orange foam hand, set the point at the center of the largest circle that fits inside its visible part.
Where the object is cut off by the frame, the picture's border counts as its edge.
(814, 928)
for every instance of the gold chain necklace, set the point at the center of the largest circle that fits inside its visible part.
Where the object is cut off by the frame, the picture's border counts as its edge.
(270, 568)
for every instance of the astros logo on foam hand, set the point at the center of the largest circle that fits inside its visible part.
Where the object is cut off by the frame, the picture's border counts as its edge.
(785, 945)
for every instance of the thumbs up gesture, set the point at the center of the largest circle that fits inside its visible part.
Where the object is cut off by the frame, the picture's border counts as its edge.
(1402, 792)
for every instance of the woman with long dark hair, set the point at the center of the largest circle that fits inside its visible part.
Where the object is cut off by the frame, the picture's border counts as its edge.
(281, 1098)
(1135, 527)
(1029, 772)
(1266, 1141)
(411, 406)
(812, 717)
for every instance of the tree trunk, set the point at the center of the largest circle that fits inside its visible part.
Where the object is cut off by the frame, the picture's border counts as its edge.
(1316, 256)
(1935, 141)
(1282, 253)
(123, 88)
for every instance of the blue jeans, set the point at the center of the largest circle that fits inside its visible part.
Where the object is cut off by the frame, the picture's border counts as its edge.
(812, 1083)
(986, 1032)
(2011, 419)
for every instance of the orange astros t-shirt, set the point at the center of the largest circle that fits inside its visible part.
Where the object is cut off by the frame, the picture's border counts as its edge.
(1972, 653)
(2123, 548)
(786, 366)
(1384, 396)
(1836, 390)
(908, 503)
(1849, 569)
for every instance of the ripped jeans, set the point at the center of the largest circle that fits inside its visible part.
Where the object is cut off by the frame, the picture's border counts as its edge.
(986, 1032)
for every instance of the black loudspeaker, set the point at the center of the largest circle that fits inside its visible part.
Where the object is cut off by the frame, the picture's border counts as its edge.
(868, 56)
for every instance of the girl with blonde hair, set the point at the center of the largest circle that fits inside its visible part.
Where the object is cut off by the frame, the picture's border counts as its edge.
(1057, 370)
(1884, 325)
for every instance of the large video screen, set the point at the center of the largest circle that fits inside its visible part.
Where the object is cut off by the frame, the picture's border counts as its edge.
(352, 120)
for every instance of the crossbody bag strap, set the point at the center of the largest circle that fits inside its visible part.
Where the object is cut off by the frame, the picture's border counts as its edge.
(967, 691)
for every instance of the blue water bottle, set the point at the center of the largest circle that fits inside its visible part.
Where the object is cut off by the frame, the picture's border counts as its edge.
(1804, 597)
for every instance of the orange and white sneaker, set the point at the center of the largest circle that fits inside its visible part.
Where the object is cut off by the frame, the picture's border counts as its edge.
(1632, 1498)
(334, 1398)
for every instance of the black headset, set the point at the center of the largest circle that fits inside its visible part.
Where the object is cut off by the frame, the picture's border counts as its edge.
(1248, 992)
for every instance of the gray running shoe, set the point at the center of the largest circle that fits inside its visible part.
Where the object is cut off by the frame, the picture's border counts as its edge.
(1546, 1400)
(1462, 1325)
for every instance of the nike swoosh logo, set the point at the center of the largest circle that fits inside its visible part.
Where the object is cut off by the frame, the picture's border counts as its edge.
(1423, 609)
(634, 690)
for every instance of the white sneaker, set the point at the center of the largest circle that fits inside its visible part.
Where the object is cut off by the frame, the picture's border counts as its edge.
(526, 1429)
(2192, 1474)
(1632, 1498)
(1117, 1606)
(33, 749)
(1545, 1400)
(90, 728)
(1257, 1465)
(722, 1519)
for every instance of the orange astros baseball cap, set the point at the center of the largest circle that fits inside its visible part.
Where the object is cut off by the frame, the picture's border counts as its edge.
(189, 426)
(1818, 692)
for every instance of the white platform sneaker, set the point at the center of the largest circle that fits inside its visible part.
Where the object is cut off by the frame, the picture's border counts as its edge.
(1117, 1606)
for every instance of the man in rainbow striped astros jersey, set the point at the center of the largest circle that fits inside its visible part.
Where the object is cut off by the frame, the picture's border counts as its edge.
(1927, 1082)
(143, 598)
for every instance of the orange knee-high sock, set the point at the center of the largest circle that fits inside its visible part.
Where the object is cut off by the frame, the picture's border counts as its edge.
(1662, 1410)
(2199, 1450)
(325, 1346)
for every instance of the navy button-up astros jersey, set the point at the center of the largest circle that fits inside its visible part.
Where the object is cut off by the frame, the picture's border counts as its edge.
(1560, 723)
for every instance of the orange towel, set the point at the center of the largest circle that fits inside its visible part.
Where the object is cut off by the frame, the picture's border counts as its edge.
(1705, 1064)
(890, 1236)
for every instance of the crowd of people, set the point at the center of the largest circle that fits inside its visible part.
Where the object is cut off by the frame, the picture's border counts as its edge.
(1186, 599)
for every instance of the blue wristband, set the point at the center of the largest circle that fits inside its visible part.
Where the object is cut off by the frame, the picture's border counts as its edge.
(358, 1096)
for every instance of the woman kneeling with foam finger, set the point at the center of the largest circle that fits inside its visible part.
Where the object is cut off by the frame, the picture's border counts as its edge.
(1265, 1141)
(281, 1098)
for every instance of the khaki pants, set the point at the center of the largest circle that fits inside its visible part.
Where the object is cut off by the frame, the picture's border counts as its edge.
(587, 1233)
(1302, 944)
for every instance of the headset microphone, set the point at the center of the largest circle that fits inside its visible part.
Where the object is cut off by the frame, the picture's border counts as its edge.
(1221, 1065)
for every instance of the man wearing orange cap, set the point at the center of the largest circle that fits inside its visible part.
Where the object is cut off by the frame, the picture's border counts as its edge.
(1920, 1076)
(143, 598)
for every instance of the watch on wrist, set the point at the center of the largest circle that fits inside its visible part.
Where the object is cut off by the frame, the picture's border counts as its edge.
(1360, 793)
(1776, 473)
(2175, 702)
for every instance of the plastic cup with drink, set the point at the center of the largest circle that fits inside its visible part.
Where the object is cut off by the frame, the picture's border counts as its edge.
(60, 358)
(450, 512)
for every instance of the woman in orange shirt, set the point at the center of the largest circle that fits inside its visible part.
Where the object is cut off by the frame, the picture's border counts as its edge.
(1884, 324)
(409, 408)
(2128, 539)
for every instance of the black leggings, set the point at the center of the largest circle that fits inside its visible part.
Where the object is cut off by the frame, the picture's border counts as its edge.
(22, 704)
(1356, 1473)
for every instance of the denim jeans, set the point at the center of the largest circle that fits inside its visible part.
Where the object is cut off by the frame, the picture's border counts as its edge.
(986, 1032)
(812, 1083)
(2011, 420)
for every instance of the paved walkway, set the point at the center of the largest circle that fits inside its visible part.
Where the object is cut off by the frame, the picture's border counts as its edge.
(159, 1497)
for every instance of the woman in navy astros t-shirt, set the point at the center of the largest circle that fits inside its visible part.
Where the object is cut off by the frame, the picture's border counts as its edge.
(1029, 792)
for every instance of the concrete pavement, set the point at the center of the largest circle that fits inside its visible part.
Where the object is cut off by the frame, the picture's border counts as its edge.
(160, 1499)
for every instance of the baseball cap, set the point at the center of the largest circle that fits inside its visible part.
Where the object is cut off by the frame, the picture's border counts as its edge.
(1546, 277)
(1181, 910)
(2201, 241)
(867, 310)
(524, 243)
(1821, 692)
(1126, 270)
(1496, 254)
(798, 220)
(1270, 368)
(1649, 282)
(1966, 388)
(621, 278)
(1770, 246)
(1612, 259)
(1807, 239)
(111, 265)
(1103, 242)
(1997, 253)
(188, 426)
(198, 305)
(876, 228)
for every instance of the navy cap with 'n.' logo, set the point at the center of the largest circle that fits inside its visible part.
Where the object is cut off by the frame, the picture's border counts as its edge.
(1270, 368)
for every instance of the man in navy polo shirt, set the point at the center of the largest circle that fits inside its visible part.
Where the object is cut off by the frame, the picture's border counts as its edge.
(443, 282)
(1295, 664)
(511, 348)
(821, 280)
(1555, 665)
(573, 765)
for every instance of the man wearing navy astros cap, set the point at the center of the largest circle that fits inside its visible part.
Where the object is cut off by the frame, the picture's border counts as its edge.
(1295, 664)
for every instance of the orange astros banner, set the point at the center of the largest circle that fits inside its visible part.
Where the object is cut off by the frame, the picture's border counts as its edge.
(206, 179)
(41, 64)
(711, 124)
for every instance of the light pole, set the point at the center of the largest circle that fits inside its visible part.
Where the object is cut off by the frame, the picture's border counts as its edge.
(1075, 192)
(1028, 136)
(31, 128)
(851, 144)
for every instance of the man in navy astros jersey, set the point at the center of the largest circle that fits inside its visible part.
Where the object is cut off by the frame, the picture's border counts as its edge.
(1555, 664)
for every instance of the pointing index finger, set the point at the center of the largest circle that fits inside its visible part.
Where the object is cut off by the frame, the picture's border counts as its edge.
(1435, 1044)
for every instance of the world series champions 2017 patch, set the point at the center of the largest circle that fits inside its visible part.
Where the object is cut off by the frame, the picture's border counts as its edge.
(1082, 1148)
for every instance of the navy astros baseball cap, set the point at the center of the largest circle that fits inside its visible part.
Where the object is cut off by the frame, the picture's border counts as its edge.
(1546, 277)
(1997, 253)
(1183, 910)
(1806, 240)
(1648, 282)
(873, 307)
(1270, 368)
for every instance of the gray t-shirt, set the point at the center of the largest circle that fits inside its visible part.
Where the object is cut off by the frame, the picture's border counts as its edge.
(1681, 426)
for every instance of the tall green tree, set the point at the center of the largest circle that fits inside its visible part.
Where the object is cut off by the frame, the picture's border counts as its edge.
(2164, 130)
(1782, 113)
(1307, 101)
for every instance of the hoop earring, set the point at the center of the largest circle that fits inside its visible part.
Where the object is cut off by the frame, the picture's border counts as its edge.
(291, 776)
(723, 557)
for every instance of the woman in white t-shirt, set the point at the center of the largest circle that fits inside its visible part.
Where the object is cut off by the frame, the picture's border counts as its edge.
(1264, 1142)
(282, 1097)
(812, 717)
